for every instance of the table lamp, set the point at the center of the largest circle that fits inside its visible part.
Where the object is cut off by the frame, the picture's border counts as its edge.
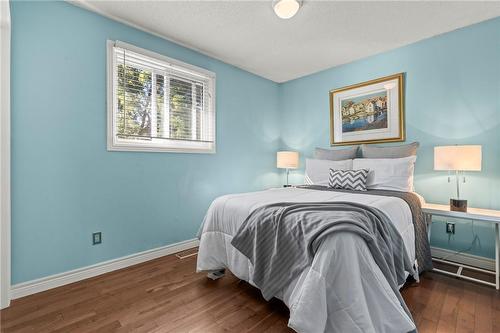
(458, 159)
(287, 160)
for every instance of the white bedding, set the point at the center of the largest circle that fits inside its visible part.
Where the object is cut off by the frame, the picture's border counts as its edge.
(338, 292)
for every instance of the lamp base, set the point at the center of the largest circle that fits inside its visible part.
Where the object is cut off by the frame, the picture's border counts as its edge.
(458, 205)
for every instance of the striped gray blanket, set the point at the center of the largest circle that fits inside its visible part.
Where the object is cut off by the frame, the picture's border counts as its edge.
(280, 240)
(422, 246)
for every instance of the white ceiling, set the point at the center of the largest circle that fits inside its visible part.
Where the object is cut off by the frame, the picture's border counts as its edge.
(248, 35)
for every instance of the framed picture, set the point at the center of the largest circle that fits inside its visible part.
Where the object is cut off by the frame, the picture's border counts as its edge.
(368, 112)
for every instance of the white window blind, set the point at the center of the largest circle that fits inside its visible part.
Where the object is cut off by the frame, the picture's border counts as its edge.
(158, 103)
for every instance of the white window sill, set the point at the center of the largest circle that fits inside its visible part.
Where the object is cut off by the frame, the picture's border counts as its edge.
(188, 148)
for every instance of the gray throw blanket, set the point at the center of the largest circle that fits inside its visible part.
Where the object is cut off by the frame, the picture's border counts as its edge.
(422, 246)
(281, 239)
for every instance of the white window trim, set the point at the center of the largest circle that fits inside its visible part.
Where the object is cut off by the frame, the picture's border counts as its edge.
(5, 216)
(133, 145)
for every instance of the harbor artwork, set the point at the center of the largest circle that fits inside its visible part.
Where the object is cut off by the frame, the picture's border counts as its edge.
(367, 112)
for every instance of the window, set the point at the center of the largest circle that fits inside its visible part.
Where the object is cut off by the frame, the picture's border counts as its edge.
(158, 104)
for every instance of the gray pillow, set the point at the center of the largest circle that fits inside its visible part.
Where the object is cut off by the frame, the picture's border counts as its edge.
(335, 154)
(389, 151)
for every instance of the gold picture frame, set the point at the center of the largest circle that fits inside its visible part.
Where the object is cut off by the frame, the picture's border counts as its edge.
(368, 112)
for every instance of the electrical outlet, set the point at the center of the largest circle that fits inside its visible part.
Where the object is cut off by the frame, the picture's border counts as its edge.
(96, 238)
(450, 227)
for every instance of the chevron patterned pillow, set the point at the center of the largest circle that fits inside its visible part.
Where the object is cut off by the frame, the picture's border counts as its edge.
(348, 179)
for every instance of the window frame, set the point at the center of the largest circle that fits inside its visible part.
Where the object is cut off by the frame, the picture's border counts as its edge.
(174, 146)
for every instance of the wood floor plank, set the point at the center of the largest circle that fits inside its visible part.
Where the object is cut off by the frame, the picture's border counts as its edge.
(466, 312)
(166, 295)
(434, 305)
(484, 315)
(448, 317)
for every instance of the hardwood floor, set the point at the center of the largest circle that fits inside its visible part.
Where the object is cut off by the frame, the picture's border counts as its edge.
(165, 295)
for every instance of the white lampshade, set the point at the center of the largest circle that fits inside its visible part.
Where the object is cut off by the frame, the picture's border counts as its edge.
(287, 160)
(458, 158)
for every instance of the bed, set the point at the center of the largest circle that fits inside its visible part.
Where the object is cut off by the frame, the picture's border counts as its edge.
(336, 292)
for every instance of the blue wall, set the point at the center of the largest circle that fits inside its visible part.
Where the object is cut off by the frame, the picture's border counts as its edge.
(66, 185)
(452, 97)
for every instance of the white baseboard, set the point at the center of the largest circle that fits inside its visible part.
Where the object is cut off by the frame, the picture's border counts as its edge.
(464, 258)
(61, 279)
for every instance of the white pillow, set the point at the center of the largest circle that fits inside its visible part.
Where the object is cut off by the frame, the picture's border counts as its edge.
(318, 171)
(395, 174)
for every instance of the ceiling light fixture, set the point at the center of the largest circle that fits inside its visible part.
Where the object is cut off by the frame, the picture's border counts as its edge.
(286, 9)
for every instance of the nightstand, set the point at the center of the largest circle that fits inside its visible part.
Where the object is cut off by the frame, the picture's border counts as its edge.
(476, 214)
